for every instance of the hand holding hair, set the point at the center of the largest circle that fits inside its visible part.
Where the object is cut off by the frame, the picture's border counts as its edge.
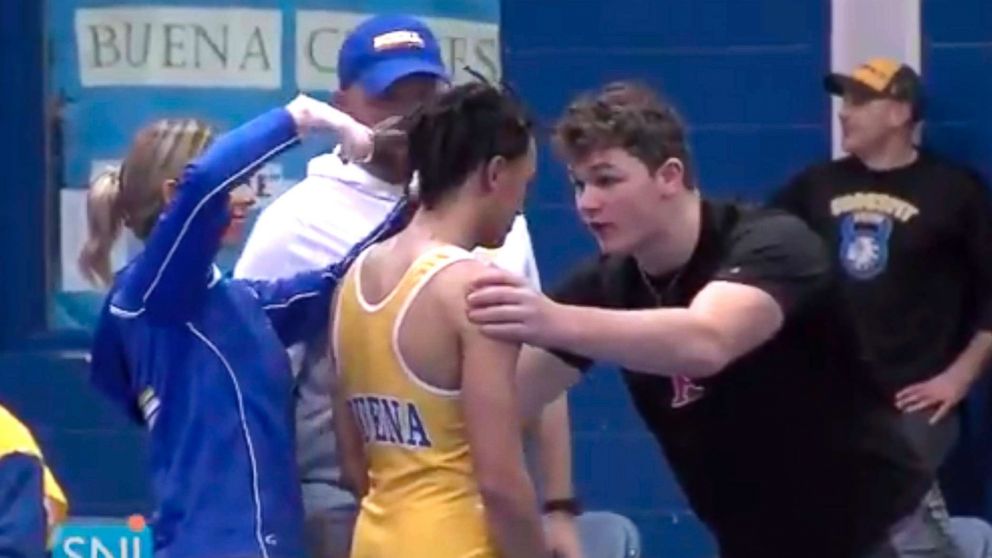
(356, 139)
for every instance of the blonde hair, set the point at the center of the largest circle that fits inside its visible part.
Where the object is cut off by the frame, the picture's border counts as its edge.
(133, 195)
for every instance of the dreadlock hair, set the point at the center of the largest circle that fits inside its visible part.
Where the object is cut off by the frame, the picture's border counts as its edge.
(463, 128)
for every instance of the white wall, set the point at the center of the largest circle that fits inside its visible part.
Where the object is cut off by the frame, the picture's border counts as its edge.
(863, 29)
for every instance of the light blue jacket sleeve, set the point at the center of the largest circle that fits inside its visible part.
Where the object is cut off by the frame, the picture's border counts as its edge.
(109, 371)
(169, 277)
(298, 306)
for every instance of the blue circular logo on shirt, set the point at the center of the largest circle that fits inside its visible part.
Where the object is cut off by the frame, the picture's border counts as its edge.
(864, 245)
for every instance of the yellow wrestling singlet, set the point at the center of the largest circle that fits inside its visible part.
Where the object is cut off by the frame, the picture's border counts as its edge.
(423, 499)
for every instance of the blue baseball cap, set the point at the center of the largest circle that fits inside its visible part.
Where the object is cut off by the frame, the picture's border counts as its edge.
(385, 48)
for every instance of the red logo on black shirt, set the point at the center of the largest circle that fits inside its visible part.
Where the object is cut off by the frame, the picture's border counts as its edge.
(685, 391)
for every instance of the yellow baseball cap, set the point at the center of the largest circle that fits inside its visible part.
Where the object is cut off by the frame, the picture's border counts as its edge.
(881, 78)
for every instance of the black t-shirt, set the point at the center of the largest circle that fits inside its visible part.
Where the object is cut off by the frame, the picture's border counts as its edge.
(785, 452)
(914, 253)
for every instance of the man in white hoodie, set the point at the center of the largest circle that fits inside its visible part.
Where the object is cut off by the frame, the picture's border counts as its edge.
(387, 66)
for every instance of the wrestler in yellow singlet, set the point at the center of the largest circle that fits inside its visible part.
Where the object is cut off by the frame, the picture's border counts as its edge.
(425, 404)
(420, 468)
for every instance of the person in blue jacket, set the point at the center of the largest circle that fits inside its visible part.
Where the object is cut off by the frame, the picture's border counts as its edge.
(31, 500)
(198, 358)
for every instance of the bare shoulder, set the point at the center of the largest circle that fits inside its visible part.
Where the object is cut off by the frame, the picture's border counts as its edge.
(451, 287)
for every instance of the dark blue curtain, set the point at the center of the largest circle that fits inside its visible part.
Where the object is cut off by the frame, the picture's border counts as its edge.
(23, 205)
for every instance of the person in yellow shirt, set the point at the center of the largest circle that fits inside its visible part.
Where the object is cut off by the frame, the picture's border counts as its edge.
(426, 407)
(31, 500)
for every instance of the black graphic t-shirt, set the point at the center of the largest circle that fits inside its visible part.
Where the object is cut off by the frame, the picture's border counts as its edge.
(914, 248)
(788, 444)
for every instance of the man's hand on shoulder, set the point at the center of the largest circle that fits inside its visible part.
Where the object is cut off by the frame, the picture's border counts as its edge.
(505, 307)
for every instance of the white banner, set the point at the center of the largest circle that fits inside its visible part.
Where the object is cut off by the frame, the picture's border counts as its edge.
(319, 35)
(184, 47)
(857, 35)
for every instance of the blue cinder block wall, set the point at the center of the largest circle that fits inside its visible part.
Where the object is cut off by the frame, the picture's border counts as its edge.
(957, 57)
(747, 78)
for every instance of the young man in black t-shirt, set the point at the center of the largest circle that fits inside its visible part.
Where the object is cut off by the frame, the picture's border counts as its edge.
(724, 321)
(912, 236)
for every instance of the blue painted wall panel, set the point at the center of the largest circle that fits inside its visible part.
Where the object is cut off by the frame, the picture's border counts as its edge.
(763, 83)
(22, 157)
(654, 25)
(955, 22)
(957, 57)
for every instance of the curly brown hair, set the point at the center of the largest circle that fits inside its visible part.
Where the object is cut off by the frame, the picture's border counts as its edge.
(627, 115)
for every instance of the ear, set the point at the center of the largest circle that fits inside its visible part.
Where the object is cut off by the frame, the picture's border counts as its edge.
(349, 101)
(901, 114)
(492, 173)
(339, 99)
(169, 188)
(671, 175)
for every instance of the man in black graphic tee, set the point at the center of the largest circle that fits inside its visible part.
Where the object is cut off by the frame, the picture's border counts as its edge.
(912, 239)
(725, 321)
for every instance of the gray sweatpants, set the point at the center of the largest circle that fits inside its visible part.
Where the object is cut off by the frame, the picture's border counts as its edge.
(927, 531)
(329, 533)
